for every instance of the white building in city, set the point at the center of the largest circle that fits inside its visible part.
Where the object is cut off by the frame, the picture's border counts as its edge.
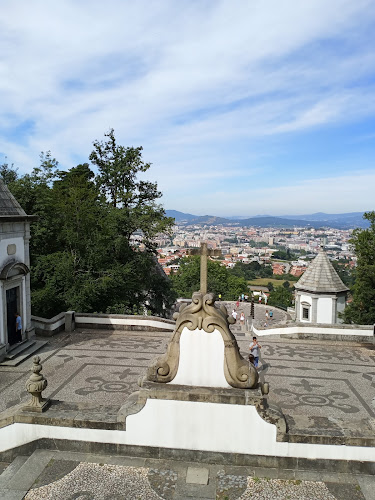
(320, 293)
(14, 269)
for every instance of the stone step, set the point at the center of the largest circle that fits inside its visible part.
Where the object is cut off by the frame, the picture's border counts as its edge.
(22, 479)
(37, 344)
(11, 470)
(19, 348)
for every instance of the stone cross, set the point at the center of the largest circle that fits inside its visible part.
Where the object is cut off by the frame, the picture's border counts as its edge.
(204, 252)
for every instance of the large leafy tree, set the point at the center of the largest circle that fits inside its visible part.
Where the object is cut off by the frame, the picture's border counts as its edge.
(84, 252)
(135, 199)
(362, 308)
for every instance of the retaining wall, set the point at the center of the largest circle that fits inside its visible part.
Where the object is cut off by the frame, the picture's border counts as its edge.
(70, 320)
(355, 333)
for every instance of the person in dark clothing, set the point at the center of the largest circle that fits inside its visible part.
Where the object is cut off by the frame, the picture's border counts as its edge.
(18, 327)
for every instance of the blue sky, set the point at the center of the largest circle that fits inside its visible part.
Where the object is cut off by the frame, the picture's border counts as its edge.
(243, 108)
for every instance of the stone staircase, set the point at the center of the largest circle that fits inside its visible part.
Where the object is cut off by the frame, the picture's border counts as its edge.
(22, 351)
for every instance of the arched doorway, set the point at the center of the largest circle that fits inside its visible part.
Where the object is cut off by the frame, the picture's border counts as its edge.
(13, 298)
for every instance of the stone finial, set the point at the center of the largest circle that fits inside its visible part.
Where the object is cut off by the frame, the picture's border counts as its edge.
(35, 385)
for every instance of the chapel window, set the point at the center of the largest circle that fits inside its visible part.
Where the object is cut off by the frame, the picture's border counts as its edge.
(305, 313)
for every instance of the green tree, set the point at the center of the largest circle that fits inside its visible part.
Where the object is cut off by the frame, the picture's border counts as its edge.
(346, 273)
(118, 168)
(283, 254)
(281, 296)
(8, 174)
(219, 279)
(242, 270)
(84, 252)
(362, 308)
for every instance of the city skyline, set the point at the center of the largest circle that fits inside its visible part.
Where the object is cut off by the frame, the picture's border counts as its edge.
(243, 109)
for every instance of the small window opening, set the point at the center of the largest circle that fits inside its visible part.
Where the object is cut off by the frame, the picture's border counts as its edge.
(305, 313)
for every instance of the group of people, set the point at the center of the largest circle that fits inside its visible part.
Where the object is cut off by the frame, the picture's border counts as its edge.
(269, 316)
(242, 316)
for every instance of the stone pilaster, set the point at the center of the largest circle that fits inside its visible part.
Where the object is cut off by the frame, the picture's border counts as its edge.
(27, 320)
(334, 310)
(314, 309)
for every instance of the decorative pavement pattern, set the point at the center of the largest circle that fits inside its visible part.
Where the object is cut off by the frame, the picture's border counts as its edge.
(316, 379)
(73, 480)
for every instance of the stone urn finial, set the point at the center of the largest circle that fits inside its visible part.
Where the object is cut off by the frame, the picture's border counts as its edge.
(35, 385)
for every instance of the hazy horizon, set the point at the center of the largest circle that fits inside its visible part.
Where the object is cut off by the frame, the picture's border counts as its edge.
(268, 214)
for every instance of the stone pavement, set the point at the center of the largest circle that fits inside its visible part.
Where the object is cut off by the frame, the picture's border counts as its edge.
(51, 475)
(320, 386)
(280, 317)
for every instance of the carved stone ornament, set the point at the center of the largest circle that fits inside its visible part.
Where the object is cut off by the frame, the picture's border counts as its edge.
(203, 315)
(35, 385)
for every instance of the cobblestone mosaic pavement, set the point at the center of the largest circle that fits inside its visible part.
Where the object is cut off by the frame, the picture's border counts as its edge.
(68, 476)
(311, 378)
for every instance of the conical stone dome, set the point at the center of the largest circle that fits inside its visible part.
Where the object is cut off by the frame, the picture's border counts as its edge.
(321, 277)
(8, 204)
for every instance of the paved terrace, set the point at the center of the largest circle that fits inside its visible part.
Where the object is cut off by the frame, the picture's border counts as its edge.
(322, 387)
(319, 385)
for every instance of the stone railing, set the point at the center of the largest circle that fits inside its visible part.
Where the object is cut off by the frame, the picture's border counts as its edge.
(69, 321)
(356, 333)
(48, 327)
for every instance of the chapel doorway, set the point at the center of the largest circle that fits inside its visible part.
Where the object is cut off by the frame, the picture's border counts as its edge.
(12, 308)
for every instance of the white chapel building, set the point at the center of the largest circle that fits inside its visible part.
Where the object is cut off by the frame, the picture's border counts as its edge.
(14, 269)
(320, 293)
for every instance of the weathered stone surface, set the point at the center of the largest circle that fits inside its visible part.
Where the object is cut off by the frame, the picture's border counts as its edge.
(203, 315)
(35, 386)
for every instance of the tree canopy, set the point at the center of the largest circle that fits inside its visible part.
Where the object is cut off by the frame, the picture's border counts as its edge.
(219, 279)
(92, 247)
(281, 296)
(362, 308)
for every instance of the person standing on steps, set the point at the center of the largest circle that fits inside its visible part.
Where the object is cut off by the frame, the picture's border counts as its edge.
(18, 327)
(254, 350)
(234, 314)
(242, 318)
(267, 318)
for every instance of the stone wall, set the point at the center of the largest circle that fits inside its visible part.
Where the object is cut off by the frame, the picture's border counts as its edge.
(49, 327)
(356, 333)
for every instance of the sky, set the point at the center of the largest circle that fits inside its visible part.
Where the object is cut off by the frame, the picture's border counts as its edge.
(242, 107)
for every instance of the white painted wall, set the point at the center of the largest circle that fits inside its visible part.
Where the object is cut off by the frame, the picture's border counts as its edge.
(321, 330)
(201, 359)
(324, 310)
(308, 299)
(108, 320)
(200, 426)
(9, 240)
(193, 426)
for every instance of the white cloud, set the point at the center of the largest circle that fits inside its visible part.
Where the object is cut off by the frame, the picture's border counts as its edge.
(184, 79)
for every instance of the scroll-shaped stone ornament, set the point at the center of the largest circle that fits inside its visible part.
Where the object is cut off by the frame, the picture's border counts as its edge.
(35, 385)
(202, 314)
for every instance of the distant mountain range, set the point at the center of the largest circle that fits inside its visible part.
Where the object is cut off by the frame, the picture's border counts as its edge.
(337, 221)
